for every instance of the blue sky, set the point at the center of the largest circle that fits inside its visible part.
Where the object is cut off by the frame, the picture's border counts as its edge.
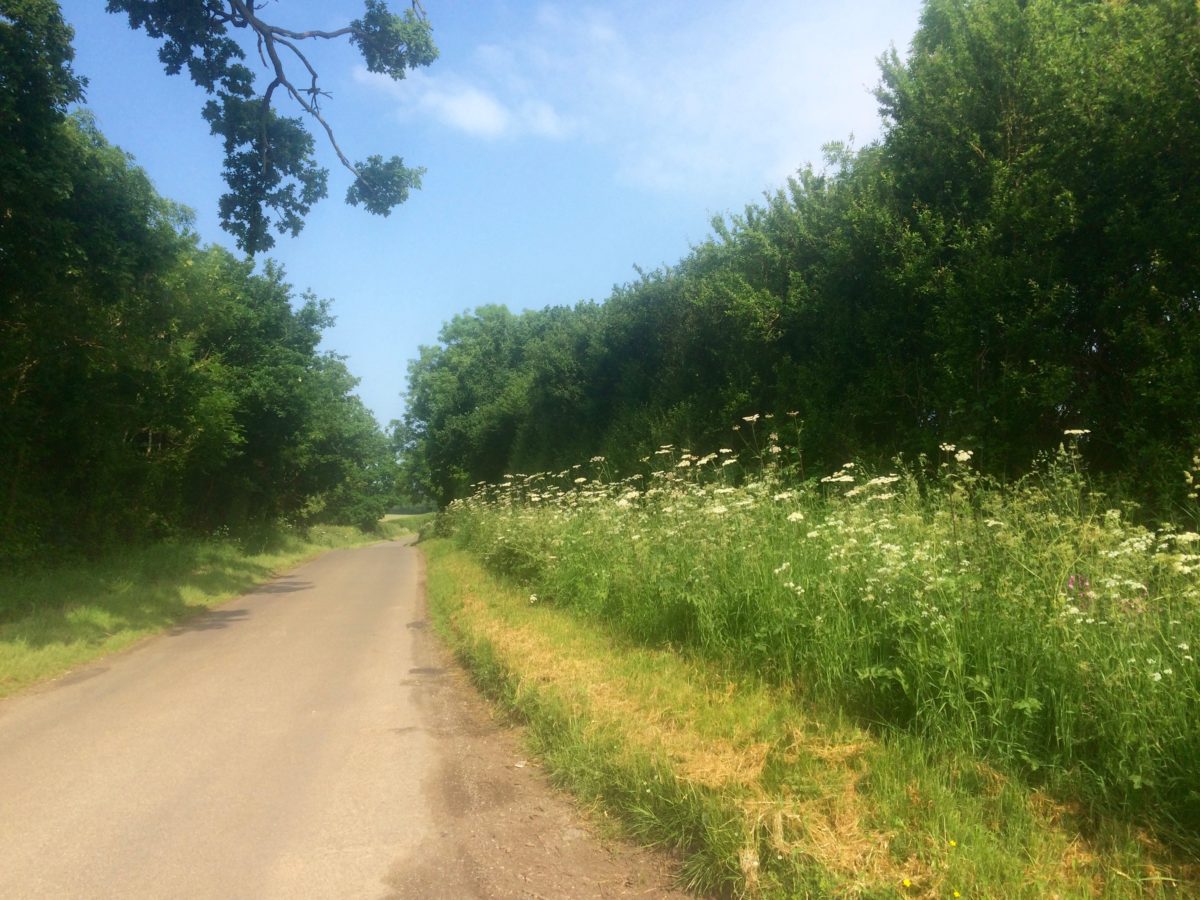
(564, 142)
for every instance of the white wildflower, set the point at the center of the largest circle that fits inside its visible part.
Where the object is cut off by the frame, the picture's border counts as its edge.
(796, 516)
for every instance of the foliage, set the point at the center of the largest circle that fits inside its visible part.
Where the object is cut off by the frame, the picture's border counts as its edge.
(1031, 624)
(269, 159)
(761, 792)
(1017, 256)
(149, 384)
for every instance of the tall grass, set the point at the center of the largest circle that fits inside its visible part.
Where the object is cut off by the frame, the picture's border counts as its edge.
(1033, 625)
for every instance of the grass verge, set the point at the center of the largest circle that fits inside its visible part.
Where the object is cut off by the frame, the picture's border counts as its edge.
(761, 794)
(59, 618)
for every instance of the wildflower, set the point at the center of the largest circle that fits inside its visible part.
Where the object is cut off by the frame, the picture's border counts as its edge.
(796, 516)
(683, 464)
(947, 448)
(964, 455)
(597, 459)
(752, 419)
(724, 450)
(1183, 645)
(1077, 432)
(952, 843)
(1157, 676)
(580, 480)
(533, 598)
(783, 568)
(729, 462)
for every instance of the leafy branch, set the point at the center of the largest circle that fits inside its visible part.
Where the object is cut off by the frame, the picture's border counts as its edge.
(269, 163)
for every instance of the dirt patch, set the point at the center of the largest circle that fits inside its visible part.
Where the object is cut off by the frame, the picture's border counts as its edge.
(500, 829)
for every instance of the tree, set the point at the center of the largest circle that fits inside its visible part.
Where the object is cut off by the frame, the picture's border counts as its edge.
(269, 167)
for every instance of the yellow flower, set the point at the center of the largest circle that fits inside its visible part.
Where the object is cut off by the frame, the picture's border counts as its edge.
(953, 843)
(906, 883)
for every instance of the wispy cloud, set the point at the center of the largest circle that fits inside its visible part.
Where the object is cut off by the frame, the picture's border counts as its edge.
(675, 93)
(458, 103)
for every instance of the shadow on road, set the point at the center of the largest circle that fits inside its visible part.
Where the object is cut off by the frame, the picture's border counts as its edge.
(210, 621)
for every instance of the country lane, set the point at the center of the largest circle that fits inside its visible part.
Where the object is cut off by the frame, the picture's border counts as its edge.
(310, 740)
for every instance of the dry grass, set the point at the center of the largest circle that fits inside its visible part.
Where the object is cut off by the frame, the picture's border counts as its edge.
(807, 786)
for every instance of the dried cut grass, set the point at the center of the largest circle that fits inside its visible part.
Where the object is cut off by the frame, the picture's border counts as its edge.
(710, 731)
(828, 830)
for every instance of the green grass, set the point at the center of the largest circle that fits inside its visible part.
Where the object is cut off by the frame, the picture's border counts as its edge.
(1029, 625)
(760, 792)
(1036, 629)
(68, 614)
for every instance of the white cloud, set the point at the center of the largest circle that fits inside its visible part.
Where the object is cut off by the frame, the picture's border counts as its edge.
(463, 106)
(676, 92)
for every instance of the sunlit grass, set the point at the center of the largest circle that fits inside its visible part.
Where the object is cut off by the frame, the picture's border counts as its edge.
(65, 615)
(761, 792)
(1030, 626)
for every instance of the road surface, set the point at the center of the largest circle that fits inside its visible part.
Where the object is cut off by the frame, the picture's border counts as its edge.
(307, 740)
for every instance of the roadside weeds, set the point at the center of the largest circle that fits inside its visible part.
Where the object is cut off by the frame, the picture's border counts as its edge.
(759, 795)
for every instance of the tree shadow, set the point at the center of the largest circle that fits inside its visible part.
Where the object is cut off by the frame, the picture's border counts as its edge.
(141, 591)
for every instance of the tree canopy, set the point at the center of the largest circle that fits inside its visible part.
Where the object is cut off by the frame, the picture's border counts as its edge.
(270, 164)
(148, 385)
(1018, 255)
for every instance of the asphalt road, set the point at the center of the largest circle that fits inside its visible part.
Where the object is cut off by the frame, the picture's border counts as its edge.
(307, 740)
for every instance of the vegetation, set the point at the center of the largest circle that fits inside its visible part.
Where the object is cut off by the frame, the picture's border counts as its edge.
(1017, 256)
(151, 387)
(1030, 625)
(269, 162)
(57, 619)
(761, 792)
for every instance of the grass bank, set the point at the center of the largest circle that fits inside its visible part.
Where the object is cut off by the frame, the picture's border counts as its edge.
(761, 793)
(63, 616)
